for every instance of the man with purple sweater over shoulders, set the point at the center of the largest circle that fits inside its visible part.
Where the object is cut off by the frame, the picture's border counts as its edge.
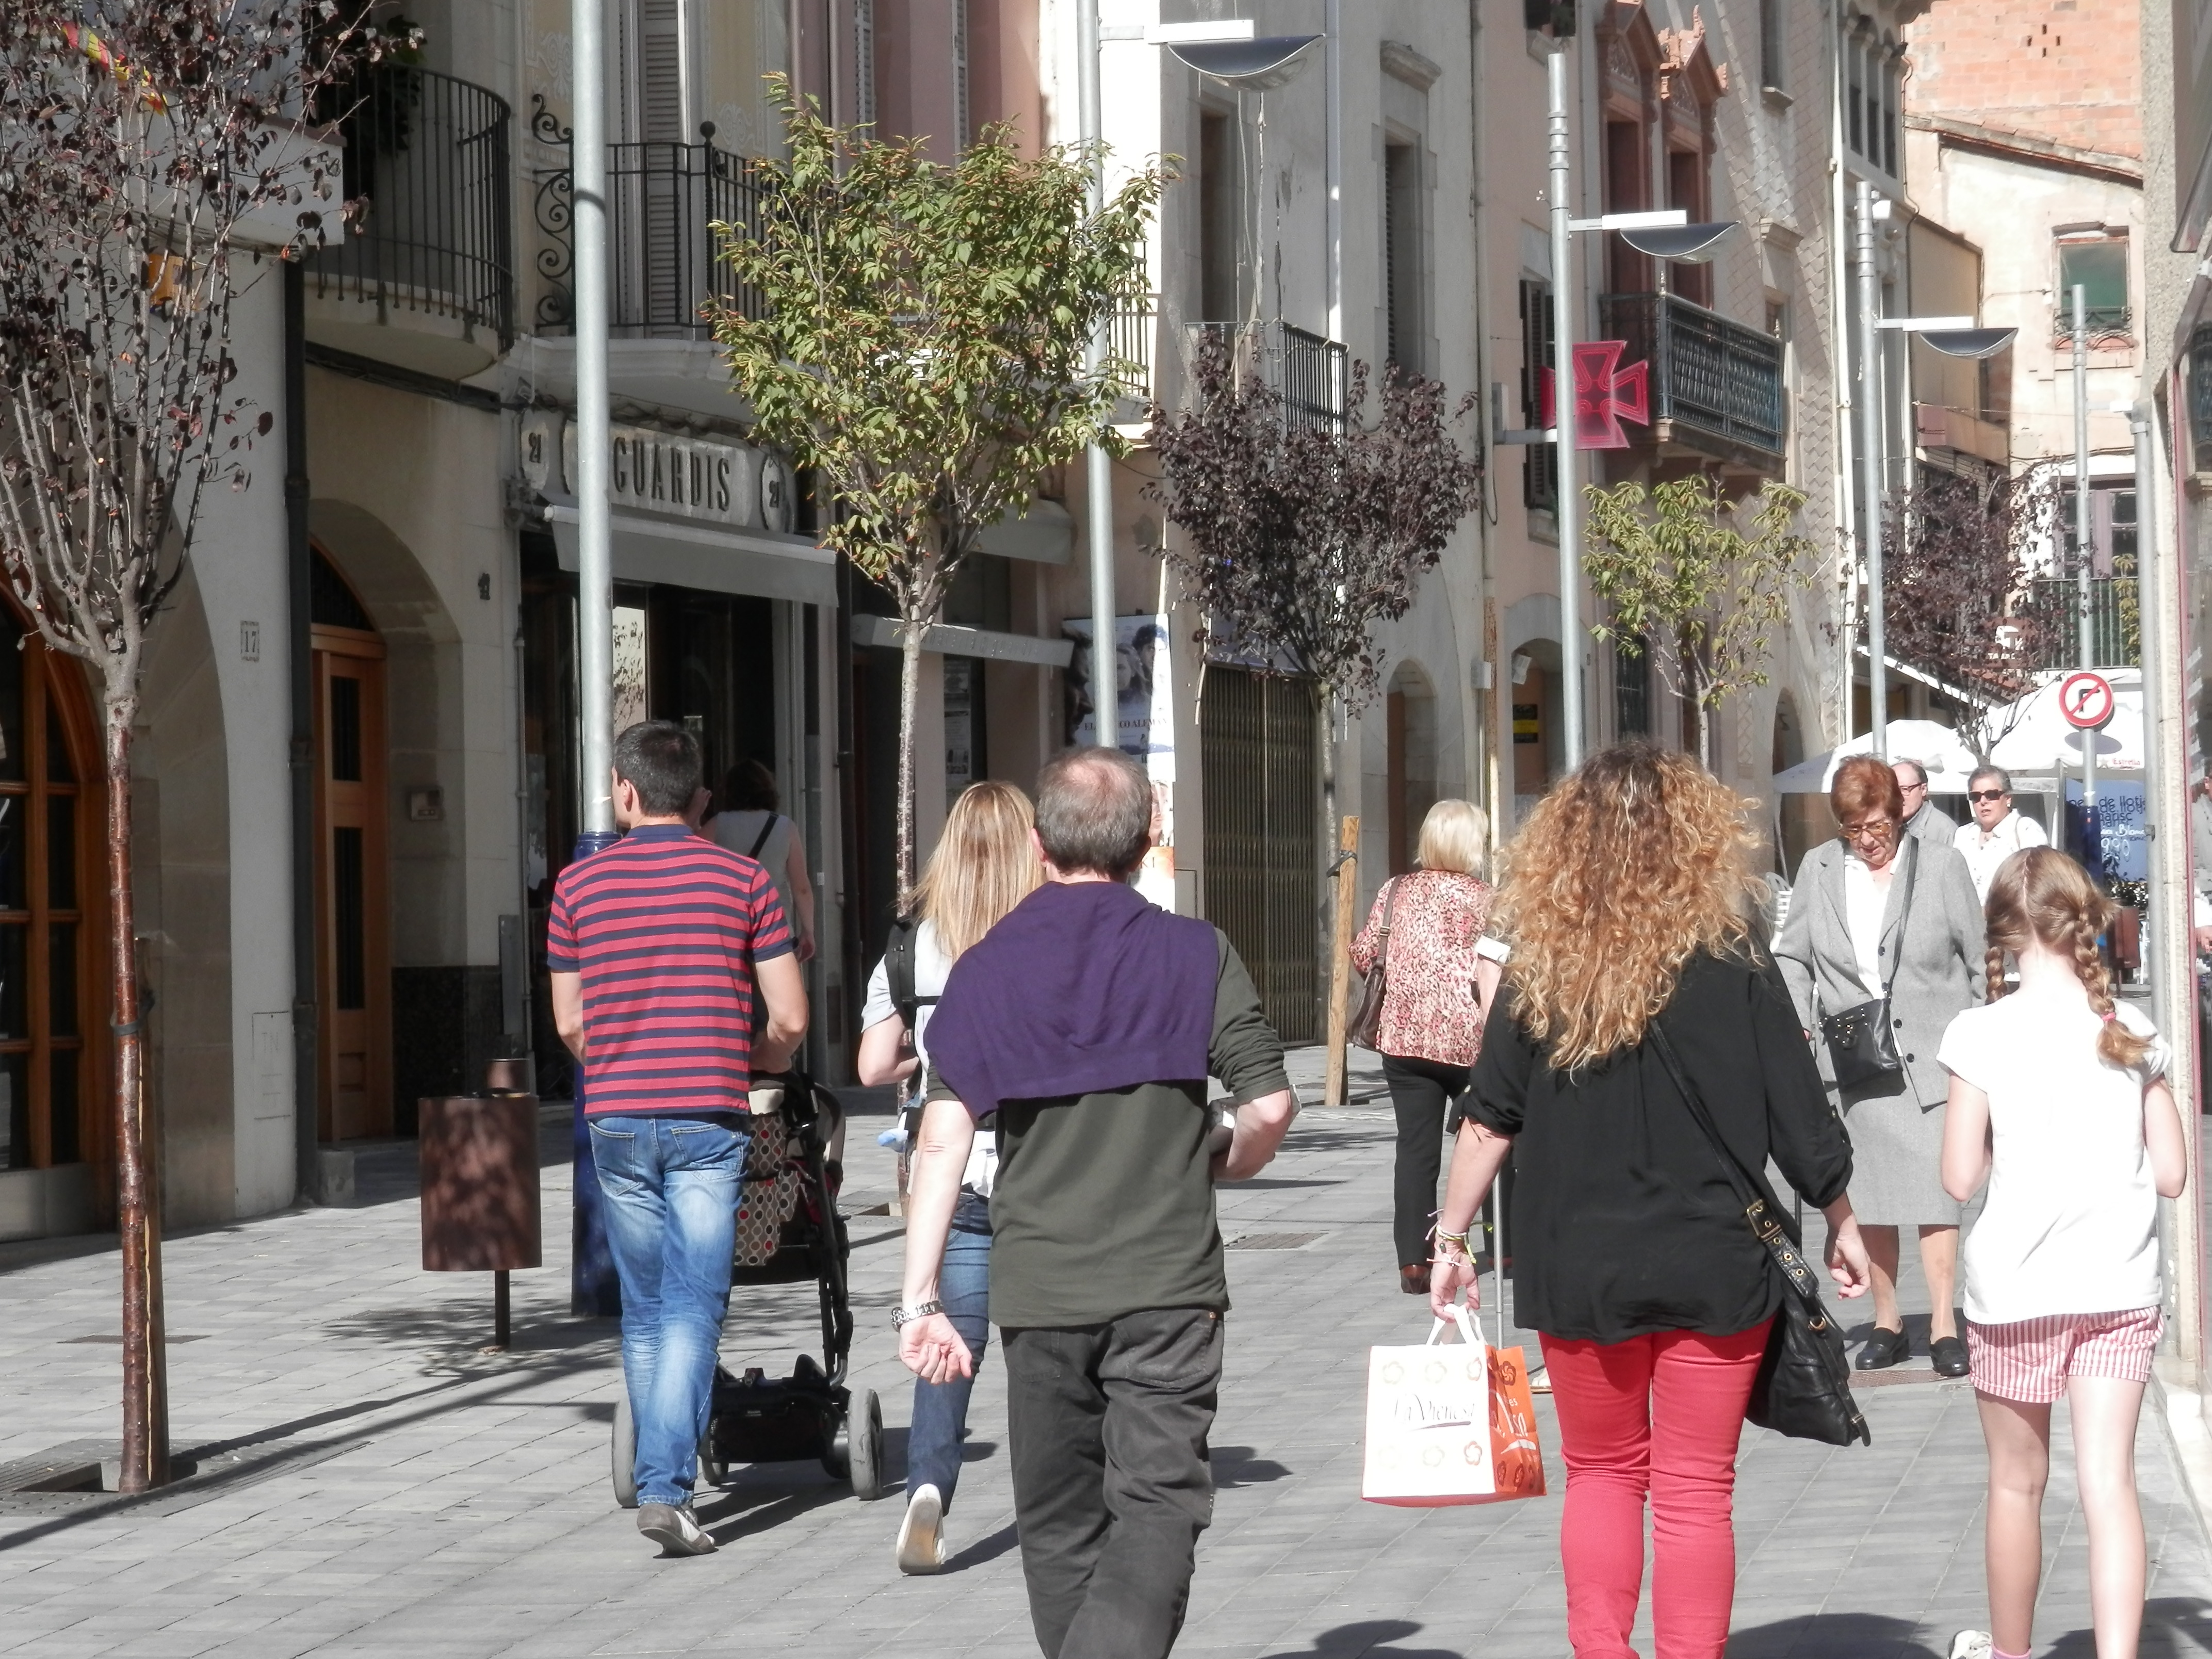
(1087, 1023)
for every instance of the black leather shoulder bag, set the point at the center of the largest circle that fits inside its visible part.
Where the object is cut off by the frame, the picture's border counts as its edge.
(1863, 1040)
(1803, 1389)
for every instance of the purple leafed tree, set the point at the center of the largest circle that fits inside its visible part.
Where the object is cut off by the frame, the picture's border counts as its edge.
(146, 144)
(1298, 534)
(1961, 602)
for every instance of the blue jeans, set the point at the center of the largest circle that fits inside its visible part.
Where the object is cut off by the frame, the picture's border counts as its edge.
(670, 1185)
(940, 1409)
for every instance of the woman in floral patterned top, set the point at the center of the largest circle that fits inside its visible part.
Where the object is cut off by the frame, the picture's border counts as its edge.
(1431, 1025)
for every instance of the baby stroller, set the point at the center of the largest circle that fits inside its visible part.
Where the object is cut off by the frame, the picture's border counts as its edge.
(788, 1230)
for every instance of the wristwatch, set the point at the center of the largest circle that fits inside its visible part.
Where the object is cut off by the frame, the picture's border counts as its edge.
(919, 1310)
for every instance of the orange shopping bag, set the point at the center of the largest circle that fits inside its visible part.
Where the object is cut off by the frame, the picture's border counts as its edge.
(1450, 1425)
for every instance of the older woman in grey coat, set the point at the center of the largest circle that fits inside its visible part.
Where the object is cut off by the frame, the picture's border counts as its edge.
(1879, 908)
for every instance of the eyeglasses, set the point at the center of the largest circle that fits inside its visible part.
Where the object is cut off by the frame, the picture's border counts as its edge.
(1985, 795)
(1908, 787)
(1872, 829)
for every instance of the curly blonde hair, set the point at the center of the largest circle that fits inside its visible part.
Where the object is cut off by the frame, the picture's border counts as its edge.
(2040, 894)
(1628, 868)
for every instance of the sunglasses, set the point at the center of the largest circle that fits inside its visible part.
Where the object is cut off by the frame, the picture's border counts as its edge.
(1985, 795)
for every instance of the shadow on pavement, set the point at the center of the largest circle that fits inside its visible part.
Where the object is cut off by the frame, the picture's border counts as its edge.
(2174, 1627)
(1242, 1466)
(1831, 1635)
(1368, 1639)
(745, 1508)
(468, 1325)
(985, 1549)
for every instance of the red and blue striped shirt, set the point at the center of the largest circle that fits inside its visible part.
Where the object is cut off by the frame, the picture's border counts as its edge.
(665, 927)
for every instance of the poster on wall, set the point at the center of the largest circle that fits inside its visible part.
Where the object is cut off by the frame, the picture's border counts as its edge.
(1143, 726)
(2120, 848)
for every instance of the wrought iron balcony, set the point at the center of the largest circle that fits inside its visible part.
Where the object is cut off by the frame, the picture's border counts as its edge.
(663, 263)
(2200, 395)
(1136, 320)
(1716, 385)
(2115, 624)
(428, 155)
(1308, 372)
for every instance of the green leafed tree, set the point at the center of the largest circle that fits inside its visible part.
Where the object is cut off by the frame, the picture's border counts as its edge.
(1713, 577)
(920, 343)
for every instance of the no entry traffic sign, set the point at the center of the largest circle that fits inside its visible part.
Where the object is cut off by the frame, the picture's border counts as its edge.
(2085, 700)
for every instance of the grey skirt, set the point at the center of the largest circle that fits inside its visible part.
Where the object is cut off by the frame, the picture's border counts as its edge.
(1897, 1156)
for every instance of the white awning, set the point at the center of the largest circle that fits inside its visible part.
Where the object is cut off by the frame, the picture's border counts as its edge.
(708, 557)
(951, 640)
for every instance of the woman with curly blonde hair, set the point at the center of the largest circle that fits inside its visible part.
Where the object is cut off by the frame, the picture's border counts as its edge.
(1629, 900)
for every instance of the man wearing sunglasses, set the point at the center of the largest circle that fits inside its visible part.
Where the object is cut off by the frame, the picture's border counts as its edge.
(1998, 832)
(1923, 820)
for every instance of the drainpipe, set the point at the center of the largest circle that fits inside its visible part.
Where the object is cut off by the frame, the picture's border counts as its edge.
(299, 671)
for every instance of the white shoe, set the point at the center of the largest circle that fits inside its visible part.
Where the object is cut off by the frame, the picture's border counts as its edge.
(1972, 1644)
(922, 1535)
(675, 1528)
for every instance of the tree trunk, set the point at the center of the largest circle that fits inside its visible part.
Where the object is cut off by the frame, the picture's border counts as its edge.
(1326, 918)
(138, 1195)
(909, 690)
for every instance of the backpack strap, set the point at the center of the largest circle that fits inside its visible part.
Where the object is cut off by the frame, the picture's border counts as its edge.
(761, 840)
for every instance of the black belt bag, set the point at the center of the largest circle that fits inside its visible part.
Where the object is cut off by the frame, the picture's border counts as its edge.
(1863, 1040)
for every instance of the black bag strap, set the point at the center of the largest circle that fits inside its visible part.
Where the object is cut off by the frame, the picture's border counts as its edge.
(761, 840)
(1760, 1210)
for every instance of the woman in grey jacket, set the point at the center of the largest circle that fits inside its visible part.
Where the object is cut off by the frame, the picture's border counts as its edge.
(1876, 909)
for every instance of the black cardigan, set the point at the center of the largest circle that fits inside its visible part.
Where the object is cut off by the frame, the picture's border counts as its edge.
(1622, 1220)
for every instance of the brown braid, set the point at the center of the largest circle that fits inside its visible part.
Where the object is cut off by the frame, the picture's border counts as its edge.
(2041, 894)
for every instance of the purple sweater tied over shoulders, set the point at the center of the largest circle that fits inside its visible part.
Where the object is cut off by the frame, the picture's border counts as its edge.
(1084, 988)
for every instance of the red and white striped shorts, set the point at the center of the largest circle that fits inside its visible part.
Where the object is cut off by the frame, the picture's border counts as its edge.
(2029, 1359)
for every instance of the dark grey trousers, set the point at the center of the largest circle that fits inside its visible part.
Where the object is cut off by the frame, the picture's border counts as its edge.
(1107, 1427)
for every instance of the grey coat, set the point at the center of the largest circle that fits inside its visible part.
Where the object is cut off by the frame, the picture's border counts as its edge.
(1935, 956)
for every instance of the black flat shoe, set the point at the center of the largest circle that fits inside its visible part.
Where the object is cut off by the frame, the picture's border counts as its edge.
(1948, 1354)
(1883, 1349)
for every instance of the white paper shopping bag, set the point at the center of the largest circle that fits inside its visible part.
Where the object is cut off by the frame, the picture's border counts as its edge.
(1450, 1423)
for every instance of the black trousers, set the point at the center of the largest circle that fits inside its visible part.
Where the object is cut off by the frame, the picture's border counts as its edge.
(1421, 1091)
(1107, 1430)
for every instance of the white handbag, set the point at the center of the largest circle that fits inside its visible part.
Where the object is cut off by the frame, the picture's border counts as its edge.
(1449, 1424)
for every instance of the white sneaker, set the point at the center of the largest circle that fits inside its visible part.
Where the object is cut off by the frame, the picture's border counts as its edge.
(675, 1528)
(1972, 1644)
(922, 1535)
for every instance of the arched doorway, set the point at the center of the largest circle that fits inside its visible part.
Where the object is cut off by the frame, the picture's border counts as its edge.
(353, 931)
(51, 957)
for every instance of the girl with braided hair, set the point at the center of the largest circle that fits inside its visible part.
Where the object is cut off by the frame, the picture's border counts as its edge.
(2059, 1098)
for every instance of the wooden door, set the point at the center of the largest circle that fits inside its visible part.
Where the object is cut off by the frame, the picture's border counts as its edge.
(353, 978)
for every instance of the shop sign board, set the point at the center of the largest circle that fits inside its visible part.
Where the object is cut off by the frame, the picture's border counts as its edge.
(680, 474)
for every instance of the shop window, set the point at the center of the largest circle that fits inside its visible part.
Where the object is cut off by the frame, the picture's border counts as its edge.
(46, 820)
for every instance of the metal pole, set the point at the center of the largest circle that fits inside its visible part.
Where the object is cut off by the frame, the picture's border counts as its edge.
(594, 576)
(1332, 26)
(2085, 632)
(2148, 607)
(1564, 296)
(1870, 473)
(1099, 470)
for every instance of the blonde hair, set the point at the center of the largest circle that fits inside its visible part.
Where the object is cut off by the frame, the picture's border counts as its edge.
(1454, 837)
(982, 866)
(1628, 868)
(2039, 894)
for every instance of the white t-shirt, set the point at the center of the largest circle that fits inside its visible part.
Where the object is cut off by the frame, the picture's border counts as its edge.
(2014, 830)
(2071, 1225)
(930, 968)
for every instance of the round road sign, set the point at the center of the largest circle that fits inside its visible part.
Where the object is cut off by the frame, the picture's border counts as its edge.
(2085, 700)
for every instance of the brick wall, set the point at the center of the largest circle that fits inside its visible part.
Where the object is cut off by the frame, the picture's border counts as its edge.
(2064, 69)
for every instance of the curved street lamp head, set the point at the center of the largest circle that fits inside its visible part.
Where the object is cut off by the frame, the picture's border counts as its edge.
(1967, 341)
(1260, 65)
(1689, 245)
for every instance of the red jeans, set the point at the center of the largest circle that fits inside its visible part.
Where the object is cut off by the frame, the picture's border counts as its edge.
(1659, 1414)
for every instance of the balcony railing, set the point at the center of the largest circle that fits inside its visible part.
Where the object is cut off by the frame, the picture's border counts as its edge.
(2101, 321)
(663, 266)
(1715, 384)
(428, 155)
(1136, 320)
(2114, 621)
(1310, 374)
(2200, 395)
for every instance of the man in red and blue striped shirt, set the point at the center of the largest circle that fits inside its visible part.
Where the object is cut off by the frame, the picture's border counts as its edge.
(664, 951)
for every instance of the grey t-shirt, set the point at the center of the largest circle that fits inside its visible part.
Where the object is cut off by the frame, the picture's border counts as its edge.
(1104, 1202)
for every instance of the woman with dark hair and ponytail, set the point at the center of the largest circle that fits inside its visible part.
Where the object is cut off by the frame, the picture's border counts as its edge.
(2059, 1097)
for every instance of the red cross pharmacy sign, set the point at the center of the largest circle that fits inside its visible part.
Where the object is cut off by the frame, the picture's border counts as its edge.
(1605, 394)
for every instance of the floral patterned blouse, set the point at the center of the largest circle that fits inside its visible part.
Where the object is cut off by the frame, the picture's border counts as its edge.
(1428, 999)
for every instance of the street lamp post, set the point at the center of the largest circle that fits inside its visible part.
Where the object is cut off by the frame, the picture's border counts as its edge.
(1565, 293)
(594, 574)
(2085, 631)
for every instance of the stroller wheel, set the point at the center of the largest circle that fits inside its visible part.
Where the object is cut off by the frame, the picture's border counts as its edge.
(713, 1471)
(622, 1453)
(865, 1436)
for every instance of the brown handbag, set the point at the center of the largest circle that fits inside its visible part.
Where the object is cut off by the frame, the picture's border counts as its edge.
(1367, 1022)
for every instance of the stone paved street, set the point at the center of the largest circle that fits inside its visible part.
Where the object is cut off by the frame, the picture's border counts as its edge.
(383, 1488)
